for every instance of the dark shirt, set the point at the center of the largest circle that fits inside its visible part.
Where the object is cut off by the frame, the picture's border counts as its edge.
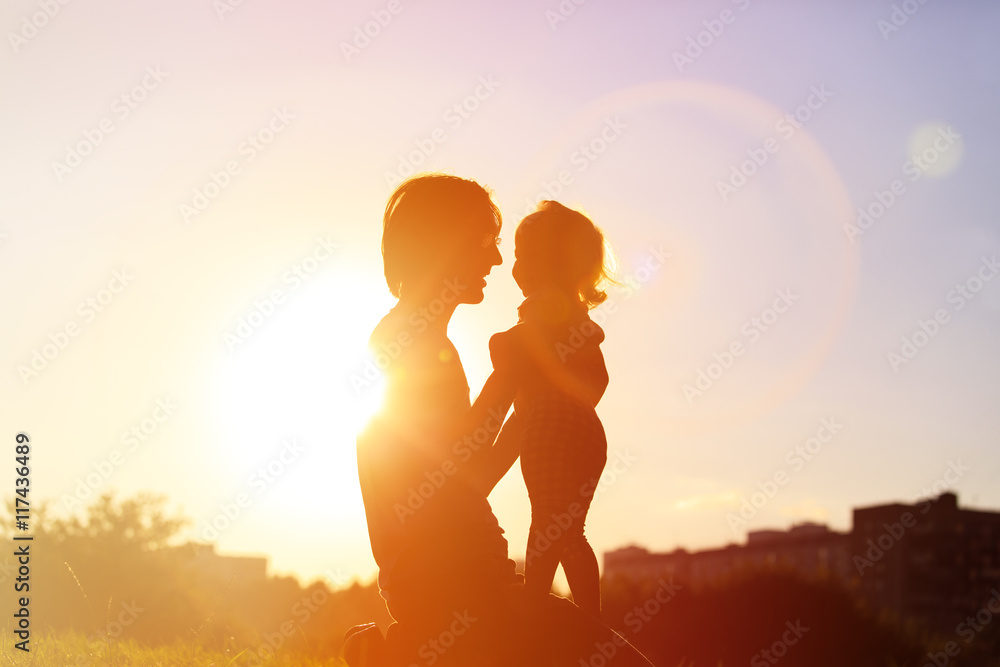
(555, 348)
(431, 532)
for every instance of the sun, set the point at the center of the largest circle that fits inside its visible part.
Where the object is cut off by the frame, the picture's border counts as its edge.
(303, 377)
(936, 149)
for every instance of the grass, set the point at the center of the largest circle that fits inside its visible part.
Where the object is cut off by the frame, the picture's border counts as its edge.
(71, 649)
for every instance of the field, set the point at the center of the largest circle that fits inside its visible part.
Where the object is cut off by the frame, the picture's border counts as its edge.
(69, 649)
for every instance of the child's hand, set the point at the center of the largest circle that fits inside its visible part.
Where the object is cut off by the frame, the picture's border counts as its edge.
(502, 353)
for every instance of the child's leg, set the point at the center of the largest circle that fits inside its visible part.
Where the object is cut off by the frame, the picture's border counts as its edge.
(580, 565)
(577, 556)
(557, 537)
(542, 555)
(562, 456)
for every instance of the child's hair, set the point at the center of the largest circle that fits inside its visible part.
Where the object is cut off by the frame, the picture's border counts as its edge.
(566, 248)
(427, 220)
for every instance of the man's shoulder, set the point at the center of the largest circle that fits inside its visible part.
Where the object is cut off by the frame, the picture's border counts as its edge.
(388, 328)
(400, 331)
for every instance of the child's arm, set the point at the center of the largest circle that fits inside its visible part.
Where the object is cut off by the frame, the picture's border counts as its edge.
(502, 455)
(481, 424)
(478, 429)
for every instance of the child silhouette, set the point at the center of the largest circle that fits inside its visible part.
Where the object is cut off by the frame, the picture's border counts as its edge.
(553, 361)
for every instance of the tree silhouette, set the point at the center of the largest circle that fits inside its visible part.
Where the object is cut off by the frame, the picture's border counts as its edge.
(116, 570)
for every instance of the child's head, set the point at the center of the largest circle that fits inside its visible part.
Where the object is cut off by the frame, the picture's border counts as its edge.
(557, 247)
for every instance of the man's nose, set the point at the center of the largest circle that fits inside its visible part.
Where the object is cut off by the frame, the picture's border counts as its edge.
(496, 259)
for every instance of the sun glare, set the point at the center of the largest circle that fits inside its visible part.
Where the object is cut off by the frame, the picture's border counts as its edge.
(303, 375)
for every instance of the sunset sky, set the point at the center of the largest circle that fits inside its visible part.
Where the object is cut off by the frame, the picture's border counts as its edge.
(189, 248)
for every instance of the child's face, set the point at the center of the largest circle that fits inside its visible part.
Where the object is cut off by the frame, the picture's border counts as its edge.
(518, 272)
(523, 274)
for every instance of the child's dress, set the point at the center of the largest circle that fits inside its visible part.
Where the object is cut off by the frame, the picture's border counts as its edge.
(554, 356)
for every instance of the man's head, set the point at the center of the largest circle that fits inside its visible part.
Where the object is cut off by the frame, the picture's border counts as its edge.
(439, 228)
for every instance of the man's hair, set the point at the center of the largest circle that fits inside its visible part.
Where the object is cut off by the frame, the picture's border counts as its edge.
(427, 220)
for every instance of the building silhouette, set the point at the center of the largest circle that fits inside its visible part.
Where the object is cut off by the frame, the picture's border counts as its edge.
(809, 549)
(203, 562)
(932, 563)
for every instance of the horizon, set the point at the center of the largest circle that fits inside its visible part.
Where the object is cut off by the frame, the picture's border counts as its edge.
(336, 580)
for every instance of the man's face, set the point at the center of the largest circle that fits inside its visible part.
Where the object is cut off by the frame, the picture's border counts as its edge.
(475, 258)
